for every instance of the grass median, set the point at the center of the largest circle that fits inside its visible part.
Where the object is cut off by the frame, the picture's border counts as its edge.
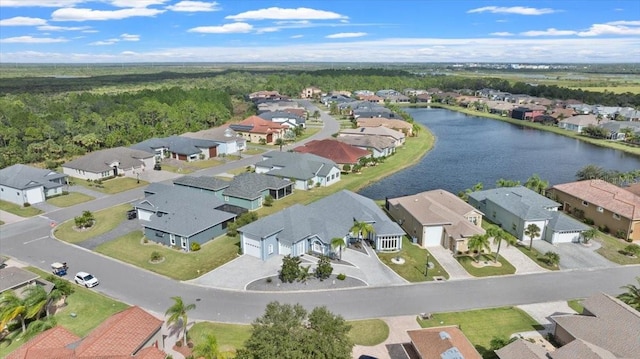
(105, 221)
(475, 267)
(70, 199)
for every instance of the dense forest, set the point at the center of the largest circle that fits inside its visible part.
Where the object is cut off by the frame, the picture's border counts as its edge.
(50, 119)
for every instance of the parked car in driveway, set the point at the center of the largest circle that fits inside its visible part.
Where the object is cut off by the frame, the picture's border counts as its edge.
(132, 214)
(86, 279)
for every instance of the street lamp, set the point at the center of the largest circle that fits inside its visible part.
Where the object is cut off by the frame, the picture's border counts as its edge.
(426, 269)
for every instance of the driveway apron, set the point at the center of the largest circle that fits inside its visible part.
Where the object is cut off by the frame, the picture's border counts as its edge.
(449, 263)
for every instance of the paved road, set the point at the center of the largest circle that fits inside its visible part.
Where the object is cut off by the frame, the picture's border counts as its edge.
(29, 241)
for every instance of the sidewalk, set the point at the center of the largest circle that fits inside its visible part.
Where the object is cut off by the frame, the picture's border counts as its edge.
(7, 217)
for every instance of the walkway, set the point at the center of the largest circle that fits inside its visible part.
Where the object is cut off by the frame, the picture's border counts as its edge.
(449, 263)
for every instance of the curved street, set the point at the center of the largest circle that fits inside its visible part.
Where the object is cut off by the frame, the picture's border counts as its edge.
(29, 241)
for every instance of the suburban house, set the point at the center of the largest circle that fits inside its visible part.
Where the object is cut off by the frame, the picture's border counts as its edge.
(335, 98)
(337, 151)
(398, 137)
(524, 349)
(132, 333)
(371, 98)
(229, 141)
(436, 218)
(579, 122)
(306, 170)
(609, 206)
(21, 184)
(179, 148)
(108, 163)
(447, 342)
(618, 129)
(310, 92)
(256, 129)
(299, 229)
(18, 279)
(266, 95)
(284, 117)
(246, 191)
(527, 113)
(276, 105)
(394, 124)
(515, 208)
(178, 216)
(378, 146)
(392, 96)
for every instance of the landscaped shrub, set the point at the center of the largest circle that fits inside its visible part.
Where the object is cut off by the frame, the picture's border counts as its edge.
(341, 276)
(232, 229)
(290, 269)
(324, 269)
(346, 168)
(156, 256)
(268, 201)
(195, 246)
(632, 250)
(86, 220)
(621, 234)
(588, 221)
(27, 204)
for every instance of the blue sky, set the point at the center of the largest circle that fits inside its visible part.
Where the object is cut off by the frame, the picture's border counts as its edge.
(114, 31)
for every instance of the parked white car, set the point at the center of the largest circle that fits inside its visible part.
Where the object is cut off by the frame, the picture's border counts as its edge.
(86, 279)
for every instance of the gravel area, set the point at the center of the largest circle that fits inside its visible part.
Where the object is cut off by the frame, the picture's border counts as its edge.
(277, 285)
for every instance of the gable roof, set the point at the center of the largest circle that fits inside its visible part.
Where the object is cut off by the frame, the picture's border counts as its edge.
(582, 120)
(100, 161)
(337, 151)
(255, 124)
(202, 182)
(176, 144)
(22, 177)
(379, 143)
(382, 121)
(251, 185)
(606, 195)
(607, 323)
(270, 115)
(303, 166)
(12, 277)
(519, 200)
(51, 343)
(581, 349)
(330, 217)
(222, 134)
(521, 349)
(373, 131)
(442, 342)
(560, 222)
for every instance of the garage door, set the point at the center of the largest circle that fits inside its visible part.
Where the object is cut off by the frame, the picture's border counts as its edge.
(251, 247)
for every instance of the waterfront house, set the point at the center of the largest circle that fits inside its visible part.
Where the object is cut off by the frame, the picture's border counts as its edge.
(305, 170)
(339, 152)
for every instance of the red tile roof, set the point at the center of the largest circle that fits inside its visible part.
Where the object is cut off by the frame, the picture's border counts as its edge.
(605, 195)
(51, 343)
(338, 152)
(432, 342)
(260, 125)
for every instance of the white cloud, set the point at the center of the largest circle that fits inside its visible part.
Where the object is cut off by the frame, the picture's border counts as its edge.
(23, 21)
(75, 14)
(63, 28)
(549, 32)
(104, 42)
(136, 3)
(344, 35)
(129, 37)
(39, 3)
(128, 53)
(501, 33)
(123, 37)
(624, 22)
(277, 13)
(31, 40)
(194, 6)
(610, 29)
(297, 36)
(238, 27)
(518, 10)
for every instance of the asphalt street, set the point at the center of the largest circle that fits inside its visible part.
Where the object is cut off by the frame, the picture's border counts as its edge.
(29, 241)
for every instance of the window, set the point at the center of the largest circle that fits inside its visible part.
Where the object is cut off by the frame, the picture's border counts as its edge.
(270, 248)
(172, 240)
(513, 226)
(585, 203)
(159, 234)
(226, 198)
(493, 214)
(183, 242)
(600, 209)
(616, 216)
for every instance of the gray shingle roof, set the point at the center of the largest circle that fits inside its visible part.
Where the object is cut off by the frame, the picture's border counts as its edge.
(176, 144)
(270, 115)
(327, 218)
(301, 166)
(202, 182)
(251, 185)
(522, 349)
(23, 177)
(560, 222)
(379, 143)
(519, 200)
(11, 277)
(99, 161)
(184, 212)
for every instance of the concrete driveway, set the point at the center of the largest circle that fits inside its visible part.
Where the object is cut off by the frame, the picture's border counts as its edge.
(575, 255)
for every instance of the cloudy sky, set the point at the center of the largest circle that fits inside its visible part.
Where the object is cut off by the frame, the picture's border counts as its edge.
(114, 31)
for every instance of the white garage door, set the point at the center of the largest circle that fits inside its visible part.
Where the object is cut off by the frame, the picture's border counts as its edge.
(251, 247)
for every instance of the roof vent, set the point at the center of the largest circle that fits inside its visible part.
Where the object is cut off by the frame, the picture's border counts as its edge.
(444, 335)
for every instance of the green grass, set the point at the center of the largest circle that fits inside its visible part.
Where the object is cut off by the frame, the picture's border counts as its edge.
(111, 186)
(19, 210)
(480, 326)
(576, 304)
(415, 263)
(536, 257)
(612, 249)
(230, 337)
(368, 332)
(70, 199)
(177, 169)
(615, 89)
(177, 264)
(106, 220)
(487, 271)
(91, 309)
(253, 151)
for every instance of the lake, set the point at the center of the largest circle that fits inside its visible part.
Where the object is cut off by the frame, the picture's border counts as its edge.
(472, 149)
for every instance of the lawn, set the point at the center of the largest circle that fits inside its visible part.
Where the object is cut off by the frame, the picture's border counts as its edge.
(110, 186)
(612, 247)
(415, 262)
(576, 304)
(91, 309)
(70, 199)
(182, 169)
(480, 326)
(368, 332)
(19, 210)
(105, 221)
(487, 271)
(230, 337)
(177, 264)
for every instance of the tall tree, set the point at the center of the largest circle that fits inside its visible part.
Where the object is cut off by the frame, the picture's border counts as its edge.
(589, 234)
(632, 295)
(12, 308)
(361, 229)
(532, 231)
(178, 315)
(499, 235)
(36, 300)
(537, 184)
(477, 243)
(590, 172)
(279, 142)
(338, 242)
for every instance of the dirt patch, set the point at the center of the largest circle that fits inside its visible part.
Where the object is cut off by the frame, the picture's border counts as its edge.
(482, 264)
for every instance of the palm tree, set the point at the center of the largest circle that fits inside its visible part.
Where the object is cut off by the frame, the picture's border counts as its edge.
(178, 314)
(507, 183)
(589, 234)
(36, 300)
(338, 242)
(208, 348)
(532, 231)
(537, 184)
(279, 142)
(632, 295)
(361, 229)
(553, 258)
(12, 308)
(500, 235)
(477, 243)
